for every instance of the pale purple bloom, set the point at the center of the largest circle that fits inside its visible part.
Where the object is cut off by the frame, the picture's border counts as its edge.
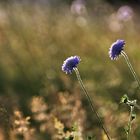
(70, 63)
(116, 49)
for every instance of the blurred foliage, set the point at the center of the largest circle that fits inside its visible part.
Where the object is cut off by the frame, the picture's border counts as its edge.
(34, 42)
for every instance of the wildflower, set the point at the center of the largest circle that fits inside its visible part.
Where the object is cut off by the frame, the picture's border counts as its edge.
(70, 63)
(68, 66)
(116, 49)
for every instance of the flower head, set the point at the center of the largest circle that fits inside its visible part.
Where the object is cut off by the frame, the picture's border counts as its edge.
(70, 63)
(116, 49)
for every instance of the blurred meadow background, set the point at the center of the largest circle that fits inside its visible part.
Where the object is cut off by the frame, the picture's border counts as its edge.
(40, 102)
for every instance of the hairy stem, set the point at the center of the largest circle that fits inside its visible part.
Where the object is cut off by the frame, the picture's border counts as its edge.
(131, 68)
(92, 105)
(130, 122)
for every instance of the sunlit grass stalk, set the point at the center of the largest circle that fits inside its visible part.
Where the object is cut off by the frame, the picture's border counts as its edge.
(131, 68)
(130, 122)
(92, 105)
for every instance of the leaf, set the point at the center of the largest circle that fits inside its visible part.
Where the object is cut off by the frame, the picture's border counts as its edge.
(124, 99)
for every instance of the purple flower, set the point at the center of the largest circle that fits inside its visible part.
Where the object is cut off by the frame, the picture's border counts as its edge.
(116, 49)
(70, 63)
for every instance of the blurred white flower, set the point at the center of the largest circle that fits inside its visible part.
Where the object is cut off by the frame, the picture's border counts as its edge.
(116, 20)
(125, 13)
(81, 21)
(78, 7)
(114, 24)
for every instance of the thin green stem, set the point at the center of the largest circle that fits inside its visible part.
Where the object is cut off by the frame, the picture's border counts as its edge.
(92, 105)
(130, 122)
(131, 68)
